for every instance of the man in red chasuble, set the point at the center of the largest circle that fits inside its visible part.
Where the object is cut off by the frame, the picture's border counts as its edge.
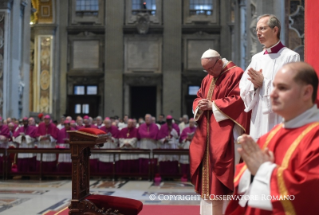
(280, 173)
(219, 112)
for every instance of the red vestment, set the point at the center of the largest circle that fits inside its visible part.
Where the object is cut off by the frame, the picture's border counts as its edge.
(219, 135)
(296, 153)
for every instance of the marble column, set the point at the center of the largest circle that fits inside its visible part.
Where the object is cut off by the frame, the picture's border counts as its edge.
(114, 58)
(172, 57)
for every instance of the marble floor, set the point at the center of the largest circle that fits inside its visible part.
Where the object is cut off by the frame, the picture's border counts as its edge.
(34, 197)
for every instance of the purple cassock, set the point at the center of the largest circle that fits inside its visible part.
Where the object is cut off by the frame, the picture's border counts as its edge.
(168, 164)
(25, 136)
(4, 131)
(106, 160)
(128, 163)
(184, 159)
(64, 160)
(147, 134)
(50, 132)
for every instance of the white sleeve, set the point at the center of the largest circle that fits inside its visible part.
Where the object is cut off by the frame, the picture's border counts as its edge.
(219, 116)
(131, 141)
(244, 187)
(174, 133)
(52, 139)
(161, 140)
(260, 188)
(266, 102)
(247, 91)
(295, 58)
(237, 131)
(197, 114)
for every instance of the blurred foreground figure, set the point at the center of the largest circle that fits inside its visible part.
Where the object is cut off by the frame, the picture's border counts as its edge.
(280, 172)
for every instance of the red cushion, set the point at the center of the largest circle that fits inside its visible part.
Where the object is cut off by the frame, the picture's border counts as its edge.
(94, 131)
(124, 205)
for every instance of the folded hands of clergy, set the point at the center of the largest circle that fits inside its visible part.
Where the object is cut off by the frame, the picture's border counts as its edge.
(2, 138)
(251, 153)
(256, 77)
(205, 104)
(45, 137)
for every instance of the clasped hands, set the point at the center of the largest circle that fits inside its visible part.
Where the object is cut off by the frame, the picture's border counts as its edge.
(256, 77)
(252, 154)
(205, 104)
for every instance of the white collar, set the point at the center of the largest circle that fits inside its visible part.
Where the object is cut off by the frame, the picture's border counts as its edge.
(269, 49)
(310, 115)
(225, 62)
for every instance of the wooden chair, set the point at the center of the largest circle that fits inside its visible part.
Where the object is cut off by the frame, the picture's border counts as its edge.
(83, 202)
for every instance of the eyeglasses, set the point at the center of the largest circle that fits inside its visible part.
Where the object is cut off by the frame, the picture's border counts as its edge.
(212, 66)
(261, 29)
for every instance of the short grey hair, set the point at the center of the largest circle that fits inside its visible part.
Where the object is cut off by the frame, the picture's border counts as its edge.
(185, 116)
(273, 21)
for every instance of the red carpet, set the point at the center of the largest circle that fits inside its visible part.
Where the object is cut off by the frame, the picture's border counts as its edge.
(152, 209)
(170, 210)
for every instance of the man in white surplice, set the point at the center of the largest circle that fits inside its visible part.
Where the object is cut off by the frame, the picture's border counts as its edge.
(147, 133)
(256, 83)
(106, 160)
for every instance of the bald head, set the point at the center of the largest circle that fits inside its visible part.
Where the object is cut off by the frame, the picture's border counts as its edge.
(305, 75)
(294, 90)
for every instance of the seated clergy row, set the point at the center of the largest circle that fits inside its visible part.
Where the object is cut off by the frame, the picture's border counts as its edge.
(147, 136)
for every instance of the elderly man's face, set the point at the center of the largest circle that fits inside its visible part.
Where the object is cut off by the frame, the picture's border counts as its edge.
(148, 119)
(286, 97)
(160, 118)
(107, 123)
(11, 126)
(31, 122)
(185, 120)
(67, 126)
(169, 121)
(266, 35)
(130, 124)
(213, 66)
(98, 121)
(191, 123)
(47, 121)
(62, 119)
(86, 121)
(25, 122)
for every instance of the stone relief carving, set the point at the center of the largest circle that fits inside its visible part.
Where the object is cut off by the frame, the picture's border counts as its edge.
(296, 21)
(252, 27)
(143, 22)
(296, 27)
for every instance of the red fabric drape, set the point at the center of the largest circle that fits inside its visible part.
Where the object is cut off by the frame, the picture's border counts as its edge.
(311, 35)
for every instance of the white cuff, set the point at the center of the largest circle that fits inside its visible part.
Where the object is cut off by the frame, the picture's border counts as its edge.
(219, 116)
(244, 182)
(260, 188)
